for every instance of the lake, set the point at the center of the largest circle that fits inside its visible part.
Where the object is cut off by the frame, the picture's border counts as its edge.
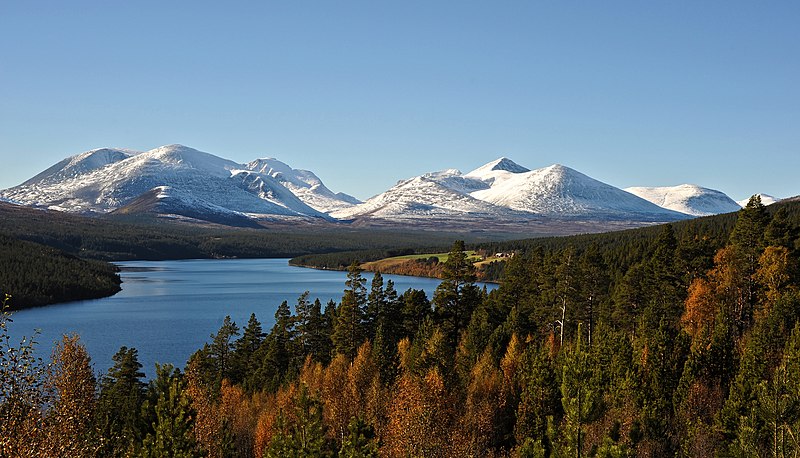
(168, 309)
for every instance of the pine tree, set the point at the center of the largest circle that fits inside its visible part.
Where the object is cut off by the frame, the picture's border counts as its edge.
(122, 392)
(303, 324)
(245, 348)
(319, 333)
(456, 296)
(376, 303)
(361, 441)
(567, 275)
(172, 435)
(594, 286)
(581, 396)
(349, 332)
(415, 308)
(305, 437)
(221, 349)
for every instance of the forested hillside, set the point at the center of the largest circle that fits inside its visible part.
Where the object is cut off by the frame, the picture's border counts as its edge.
(120, 238)
(677, 343)
(34, 274)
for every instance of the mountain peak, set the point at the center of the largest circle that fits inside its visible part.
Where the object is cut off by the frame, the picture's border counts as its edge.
(500, 164)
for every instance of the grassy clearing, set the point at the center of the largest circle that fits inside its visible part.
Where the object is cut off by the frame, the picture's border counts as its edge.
(473, 256)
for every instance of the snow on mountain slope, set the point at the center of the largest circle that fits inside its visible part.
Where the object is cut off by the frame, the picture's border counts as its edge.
(561, 191)
(504, 189)
(766, 199)
(304, 184)
(687, 198)
(421, 197)
(80, 164)
(194, 178)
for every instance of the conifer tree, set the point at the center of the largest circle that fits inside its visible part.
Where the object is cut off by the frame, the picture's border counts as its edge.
(581, 396)
(415, 308)
(376, 303)
(172, 435)
(221, 349)
(122, 392)
(245, 349)
(456, 296)
(349, 331)
(360, 442)
(305, 436)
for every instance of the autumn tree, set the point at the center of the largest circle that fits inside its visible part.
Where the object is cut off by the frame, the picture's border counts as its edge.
(70, 430)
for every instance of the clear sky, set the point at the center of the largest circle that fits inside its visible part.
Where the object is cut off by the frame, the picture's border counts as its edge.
(367, 93)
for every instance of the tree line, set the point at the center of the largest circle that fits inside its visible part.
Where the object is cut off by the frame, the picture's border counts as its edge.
(679, 346)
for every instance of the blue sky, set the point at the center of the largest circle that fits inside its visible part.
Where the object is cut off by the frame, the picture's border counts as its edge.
(367, 93)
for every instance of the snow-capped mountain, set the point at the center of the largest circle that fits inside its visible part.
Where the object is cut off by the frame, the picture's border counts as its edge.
(426, 196)
(561, 191)
(502, 188)
(304, 184)
(766, 199)
(170, 179)
(687, 198)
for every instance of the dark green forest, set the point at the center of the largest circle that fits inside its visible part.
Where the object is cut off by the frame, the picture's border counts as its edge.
(120, 238)
(35, 274)
(668, 341)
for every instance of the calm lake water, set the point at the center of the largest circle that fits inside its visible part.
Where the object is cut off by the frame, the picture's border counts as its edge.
(168, 309)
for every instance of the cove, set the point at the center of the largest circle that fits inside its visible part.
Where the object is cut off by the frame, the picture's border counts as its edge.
(168, 309)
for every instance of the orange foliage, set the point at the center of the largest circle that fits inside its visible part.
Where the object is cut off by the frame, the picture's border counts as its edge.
(422, 419)
(700, 308)
(486, 400)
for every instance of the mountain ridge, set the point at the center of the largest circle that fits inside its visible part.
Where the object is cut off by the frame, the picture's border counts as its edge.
(179, 180)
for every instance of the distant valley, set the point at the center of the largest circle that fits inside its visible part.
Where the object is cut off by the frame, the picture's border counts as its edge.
(182, 183)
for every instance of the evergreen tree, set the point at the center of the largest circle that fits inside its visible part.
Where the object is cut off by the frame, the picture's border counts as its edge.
(567, 276)
(594, 287)
(221, 349)
(319, 333)
(245, 348)
(361, 441)
(456, 296)
(172, 434)
(349, 332)
(539, 398)
(376, 303)
(305, 436)
(122, 392)
(415, 308)
(303, 324)
(581, 396)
